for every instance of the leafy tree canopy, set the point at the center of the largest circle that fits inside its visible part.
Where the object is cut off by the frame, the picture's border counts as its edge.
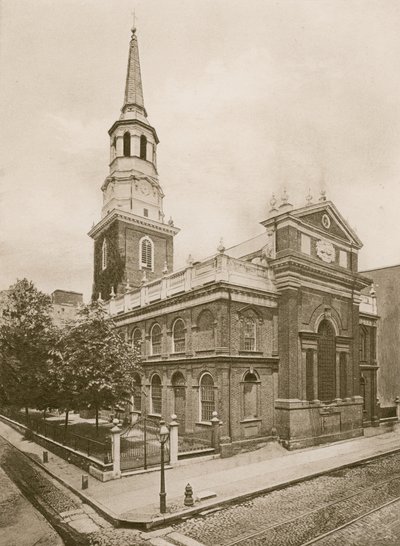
(27, 334)
(94, 364)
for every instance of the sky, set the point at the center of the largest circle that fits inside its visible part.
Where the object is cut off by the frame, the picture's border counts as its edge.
(247, 97)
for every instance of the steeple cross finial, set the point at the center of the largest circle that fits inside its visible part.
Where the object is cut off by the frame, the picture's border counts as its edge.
(134, 20)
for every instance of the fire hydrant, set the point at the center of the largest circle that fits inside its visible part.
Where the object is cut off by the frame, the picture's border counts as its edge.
(189, 501)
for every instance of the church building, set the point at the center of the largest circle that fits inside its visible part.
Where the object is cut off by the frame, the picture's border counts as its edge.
(268, 333)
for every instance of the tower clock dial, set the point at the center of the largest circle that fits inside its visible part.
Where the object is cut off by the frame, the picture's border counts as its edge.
(144, 187)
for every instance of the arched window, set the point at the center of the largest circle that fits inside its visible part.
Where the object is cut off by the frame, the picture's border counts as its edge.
(146, 253)
(250, 396)
(137, 392)
(205, 332)
(155, 338)
(249, 334)
(156, 394)
(326, 362)
(178, 336)
(178, 384)
(363, 345)
(137, 340)
(207, 399)
(143, 147)
(104, 255)
(127, 144)
(310, 375)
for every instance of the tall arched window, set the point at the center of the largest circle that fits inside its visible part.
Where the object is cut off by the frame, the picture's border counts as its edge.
(326, 362)
(104, 255)
(127, 144)
(155, 338)
(137, 392)
(205, 332)
(178, 384)
(143, 147)
(137, 339)
(146, 253)
(249, 334)
(207, 399)
(156, 393)
(178, 336)
(250, 396)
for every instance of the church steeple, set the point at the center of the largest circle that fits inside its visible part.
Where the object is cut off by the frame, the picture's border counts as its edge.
(132, 239)
(133, 99)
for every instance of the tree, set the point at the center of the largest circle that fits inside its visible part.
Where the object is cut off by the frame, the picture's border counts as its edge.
(94, 365)
(27, 335)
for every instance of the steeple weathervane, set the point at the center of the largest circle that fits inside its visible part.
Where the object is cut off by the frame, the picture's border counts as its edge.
(133, 99)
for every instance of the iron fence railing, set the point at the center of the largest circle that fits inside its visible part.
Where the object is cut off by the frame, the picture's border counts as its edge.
(59, 433)
(199, 440)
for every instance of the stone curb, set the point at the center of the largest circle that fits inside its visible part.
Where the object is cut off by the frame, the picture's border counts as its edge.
(149, 522)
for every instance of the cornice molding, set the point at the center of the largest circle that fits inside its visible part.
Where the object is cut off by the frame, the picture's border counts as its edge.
(132, 219)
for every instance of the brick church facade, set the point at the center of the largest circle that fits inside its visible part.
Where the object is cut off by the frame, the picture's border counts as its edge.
(268, 333)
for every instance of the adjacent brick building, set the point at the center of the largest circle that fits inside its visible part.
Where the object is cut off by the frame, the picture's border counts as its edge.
(266, 333)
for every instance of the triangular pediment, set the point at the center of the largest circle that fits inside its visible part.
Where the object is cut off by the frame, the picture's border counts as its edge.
(326, 219)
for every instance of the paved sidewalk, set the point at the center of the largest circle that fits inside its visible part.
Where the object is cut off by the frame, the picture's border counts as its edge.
(135, 499)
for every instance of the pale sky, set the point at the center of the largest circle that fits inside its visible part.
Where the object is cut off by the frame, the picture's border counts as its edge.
(246, 96)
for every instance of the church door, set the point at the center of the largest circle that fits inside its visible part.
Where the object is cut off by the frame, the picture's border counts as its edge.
(326, 362)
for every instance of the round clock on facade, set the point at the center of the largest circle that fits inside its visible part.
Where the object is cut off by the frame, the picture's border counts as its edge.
(326, 222)
(325, 251)
(144, 188)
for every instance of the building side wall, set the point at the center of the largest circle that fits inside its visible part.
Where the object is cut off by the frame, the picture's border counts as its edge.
(387, 286)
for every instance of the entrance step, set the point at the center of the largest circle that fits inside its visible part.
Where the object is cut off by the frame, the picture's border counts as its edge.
(158, 541)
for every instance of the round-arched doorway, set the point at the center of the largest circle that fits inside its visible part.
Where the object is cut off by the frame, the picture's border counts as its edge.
(326, 362)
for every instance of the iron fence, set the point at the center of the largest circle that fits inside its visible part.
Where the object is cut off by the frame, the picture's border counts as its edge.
(62, 435)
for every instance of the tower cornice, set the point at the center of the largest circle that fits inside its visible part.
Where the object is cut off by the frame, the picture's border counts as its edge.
(134, 220)
(130, 122)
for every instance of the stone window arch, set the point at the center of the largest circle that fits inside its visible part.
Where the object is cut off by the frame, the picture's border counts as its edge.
(155, 339)
(137, 340)
(178, 336)
(156, 394)
(127, 144)
(146, 253)
(207, 397)
(205, 330)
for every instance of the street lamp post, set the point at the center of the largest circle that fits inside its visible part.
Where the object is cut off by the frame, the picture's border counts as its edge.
(164, 433)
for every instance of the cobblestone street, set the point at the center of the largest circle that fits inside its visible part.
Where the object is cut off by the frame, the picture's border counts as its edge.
(294, 515)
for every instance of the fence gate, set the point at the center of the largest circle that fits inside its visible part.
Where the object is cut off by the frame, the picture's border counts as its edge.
(140, 444)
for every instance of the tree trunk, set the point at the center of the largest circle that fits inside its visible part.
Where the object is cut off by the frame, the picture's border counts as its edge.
(27, 416)
(44, 414)
(97, 421)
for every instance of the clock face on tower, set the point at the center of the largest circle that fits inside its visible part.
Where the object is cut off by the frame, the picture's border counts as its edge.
(144, 187)
(325, 251)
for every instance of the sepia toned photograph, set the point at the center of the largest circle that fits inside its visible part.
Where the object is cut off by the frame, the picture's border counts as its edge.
(199, 273)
